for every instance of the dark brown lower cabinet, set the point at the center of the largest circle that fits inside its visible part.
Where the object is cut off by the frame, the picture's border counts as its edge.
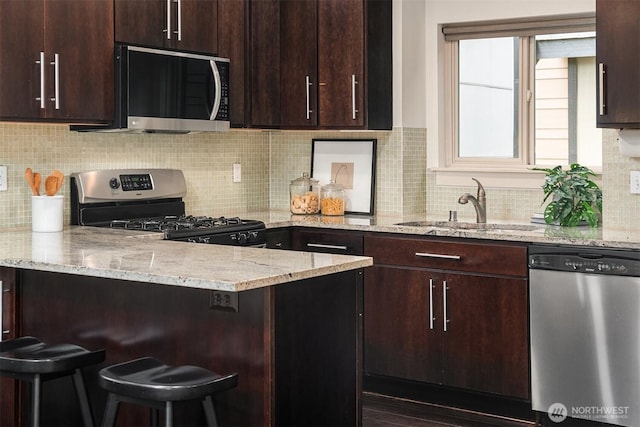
(296, 346)
(8, 388)
(460, 329)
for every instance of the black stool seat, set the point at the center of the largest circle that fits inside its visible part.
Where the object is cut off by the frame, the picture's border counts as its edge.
(29, 359)
(29, 355)
(147, 381)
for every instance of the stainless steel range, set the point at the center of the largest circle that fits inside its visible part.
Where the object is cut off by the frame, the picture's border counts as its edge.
(151, 200)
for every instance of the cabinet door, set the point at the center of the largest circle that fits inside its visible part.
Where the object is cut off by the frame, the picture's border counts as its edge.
(402, 333)
(8, 323)
(232, 44)
(485, 347)
(80, 87)
(81, 34)
(198, 26)
(278, 238)
(141, 22)
(341, 47)
(187, 25)
(264, 63)
(21, 41)
(298, 59)
(617, 50)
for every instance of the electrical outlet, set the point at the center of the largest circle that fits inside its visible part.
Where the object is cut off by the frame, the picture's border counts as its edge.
(221, 300)
(237, 172)
(3, 178)
(634, 182)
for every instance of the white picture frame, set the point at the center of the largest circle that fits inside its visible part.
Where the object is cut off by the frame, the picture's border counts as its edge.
(350, 162)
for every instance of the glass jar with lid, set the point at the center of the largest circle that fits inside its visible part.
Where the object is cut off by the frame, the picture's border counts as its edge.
(332, 199)
(305, 195)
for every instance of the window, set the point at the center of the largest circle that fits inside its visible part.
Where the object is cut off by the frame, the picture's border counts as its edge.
(521, 93)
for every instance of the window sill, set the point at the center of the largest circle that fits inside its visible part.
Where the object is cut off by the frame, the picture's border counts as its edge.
(514, 178)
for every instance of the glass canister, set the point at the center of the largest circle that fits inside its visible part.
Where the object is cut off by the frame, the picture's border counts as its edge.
(332, 199)
(305, 195)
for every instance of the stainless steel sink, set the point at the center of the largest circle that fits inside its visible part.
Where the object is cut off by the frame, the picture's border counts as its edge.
(470, 226)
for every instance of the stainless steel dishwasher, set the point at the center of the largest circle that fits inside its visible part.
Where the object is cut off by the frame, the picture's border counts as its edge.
(585, 333)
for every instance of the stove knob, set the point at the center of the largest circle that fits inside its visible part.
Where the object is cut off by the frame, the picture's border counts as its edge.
(114, 184)
(253, 235)
(242, 238)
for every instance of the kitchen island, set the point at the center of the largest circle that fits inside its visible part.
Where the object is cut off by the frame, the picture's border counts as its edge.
(289, 323)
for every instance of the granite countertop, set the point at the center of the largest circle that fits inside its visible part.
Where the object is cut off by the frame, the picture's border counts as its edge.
(506, 230)
(145, 257)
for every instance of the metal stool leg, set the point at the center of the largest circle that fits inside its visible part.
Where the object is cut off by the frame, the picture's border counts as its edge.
(36, 390)
(81, 391)
(210, 412)
(168, 414)
(111, 411)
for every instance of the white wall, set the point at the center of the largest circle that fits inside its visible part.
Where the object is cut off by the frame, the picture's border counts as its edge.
(409, 61)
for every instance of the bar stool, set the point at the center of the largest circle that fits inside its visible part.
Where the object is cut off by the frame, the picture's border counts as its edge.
(151, 383)
(29, 359)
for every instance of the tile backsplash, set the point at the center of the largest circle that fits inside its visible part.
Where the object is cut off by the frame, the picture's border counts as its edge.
(270, 160)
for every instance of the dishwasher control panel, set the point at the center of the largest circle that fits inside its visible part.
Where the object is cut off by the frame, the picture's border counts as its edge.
(593, 261)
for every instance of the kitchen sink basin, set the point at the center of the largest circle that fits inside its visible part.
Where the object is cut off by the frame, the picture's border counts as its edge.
(470, 226)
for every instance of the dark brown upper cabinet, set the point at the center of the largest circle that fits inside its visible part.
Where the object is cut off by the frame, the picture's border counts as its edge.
(56, 60)
(249, 36)
(618, 62)
(189, 25)
(335, 59)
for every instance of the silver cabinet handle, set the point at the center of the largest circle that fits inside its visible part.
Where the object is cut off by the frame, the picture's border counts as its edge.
(41, 97)
(602, 71)
(444, 306)
(168, 30)
(56, 78)
(320, 245)
(2, 291)
(308, 85)
(179, 15)
(431, 318)
(354, 82)
(443, 256)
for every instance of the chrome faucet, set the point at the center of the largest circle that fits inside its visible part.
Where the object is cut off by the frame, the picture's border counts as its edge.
(479, 202)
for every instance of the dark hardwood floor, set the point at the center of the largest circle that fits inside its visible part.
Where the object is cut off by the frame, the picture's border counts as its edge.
(383, 411)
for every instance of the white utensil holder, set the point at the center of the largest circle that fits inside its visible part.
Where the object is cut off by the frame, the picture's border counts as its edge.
(47, 247)
(47, 213)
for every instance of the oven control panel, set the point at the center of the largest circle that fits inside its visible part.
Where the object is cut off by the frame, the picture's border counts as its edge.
(133, 182)
(115, 185)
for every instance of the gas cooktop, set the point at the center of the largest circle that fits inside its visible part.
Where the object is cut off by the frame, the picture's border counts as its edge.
(151, 200)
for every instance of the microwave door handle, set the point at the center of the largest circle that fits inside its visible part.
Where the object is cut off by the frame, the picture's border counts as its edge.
(218, 90)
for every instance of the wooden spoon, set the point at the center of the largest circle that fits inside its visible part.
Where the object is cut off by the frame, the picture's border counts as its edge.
(28, 174)
(60, 177)
(51, 185)
(37, 178)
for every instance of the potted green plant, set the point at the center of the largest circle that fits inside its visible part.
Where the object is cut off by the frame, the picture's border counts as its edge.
(575, 197)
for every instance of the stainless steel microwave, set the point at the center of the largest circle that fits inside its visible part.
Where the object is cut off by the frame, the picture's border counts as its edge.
(168, 91)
